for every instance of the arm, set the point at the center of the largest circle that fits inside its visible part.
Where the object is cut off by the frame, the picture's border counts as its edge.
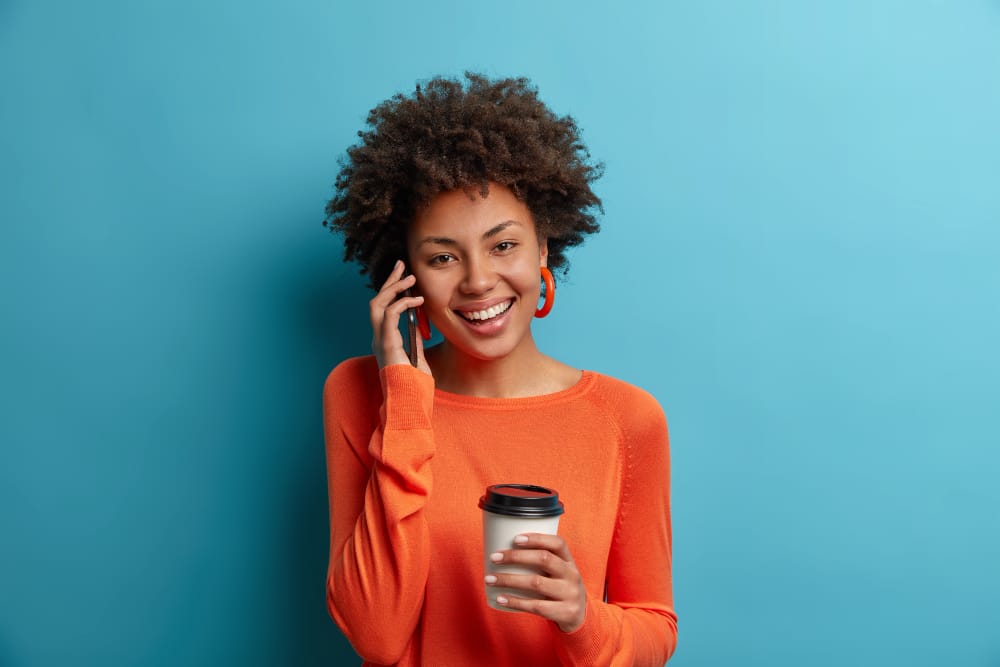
(637, 625)
(379, 476)
(379, 483)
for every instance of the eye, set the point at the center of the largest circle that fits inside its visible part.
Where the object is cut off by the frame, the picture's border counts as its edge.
(438, 260)
(505, 246)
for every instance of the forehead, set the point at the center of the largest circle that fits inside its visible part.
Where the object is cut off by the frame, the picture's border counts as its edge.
(456, 213)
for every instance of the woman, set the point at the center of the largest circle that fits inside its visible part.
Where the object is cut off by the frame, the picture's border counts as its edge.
(457, 201)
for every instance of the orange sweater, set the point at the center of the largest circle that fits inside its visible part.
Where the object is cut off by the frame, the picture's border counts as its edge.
(405, 582)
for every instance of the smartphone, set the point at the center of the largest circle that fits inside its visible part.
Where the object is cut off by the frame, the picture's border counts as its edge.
(410, 342)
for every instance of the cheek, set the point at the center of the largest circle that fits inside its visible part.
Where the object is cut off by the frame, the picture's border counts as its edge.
(531, 278)
(436, 294)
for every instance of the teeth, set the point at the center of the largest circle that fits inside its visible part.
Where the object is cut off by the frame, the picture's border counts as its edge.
(489, 313)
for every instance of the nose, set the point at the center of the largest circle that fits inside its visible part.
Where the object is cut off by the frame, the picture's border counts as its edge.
(479, 277)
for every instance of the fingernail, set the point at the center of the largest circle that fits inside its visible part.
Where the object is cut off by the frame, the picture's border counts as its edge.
(501, 599)
(496, 557)
(520, 539)
(490, 579)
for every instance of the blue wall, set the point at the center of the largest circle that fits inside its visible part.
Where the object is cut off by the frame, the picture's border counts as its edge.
(800, 260)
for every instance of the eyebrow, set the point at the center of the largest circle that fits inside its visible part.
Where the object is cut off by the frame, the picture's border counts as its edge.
(490, 233)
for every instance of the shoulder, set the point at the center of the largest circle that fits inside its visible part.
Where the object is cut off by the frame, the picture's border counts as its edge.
(623, 395)
(353, 372)
(633, 408)
(642, 426)
(353, 381)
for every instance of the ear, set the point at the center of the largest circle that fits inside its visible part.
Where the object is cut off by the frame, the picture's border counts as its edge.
(543, 251)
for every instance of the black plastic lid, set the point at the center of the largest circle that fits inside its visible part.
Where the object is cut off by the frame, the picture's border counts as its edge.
(525, 500)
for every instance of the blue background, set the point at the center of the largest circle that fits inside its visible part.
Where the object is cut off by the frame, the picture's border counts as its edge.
(799, 259)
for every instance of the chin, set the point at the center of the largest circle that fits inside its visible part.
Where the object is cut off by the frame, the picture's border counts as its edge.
(485, 351)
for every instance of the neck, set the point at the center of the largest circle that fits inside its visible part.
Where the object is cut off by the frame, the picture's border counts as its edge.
(523, 372)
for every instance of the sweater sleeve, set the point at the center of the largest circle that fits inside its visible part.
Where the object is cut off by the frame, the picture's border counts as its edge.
(636, 625)
(379, 484)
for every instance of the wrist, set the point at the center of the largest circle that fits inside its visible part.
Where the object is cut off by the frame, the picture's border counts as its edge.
(575, 624)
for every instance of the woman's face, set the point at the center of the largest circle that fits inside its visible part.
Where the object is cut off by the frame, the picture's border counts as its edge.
(477, 262)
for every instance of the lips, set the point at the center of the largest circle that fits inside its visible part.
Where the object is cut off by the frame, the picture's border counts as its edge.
(486, 314)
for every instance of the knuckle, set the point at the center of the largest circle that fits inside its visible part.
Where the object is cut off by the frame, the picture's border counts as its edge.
(537, 582)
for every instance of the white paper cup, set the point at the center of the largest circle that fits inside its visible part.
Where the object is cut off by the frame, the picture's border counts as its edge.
(508, 511)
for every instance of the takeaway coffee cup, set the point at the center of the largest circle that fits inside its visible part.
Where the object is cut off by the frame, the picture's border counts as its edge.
(508, 511)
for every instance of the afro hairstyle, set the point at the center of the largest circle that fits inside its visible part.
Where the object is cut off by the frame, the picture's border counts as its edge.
(451, 134)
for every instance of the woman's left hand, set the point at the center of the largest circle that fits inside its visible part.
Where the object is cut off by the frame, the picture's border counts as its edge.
(564, 598)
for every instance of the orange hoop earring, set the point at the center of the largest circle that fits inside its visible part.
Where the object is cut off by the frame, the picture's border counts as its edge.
(423, 325)
(550, 293)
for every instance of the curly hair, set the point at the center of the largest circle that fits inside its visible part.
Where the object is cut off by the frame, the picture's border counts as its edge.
(451, 134)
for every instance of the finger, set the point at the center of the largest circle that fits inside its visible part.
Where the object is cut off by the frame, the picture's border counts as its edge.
(387, 328)
(540, 559)
(391, 291)
(388, 295)
(533, 585)
(394, 310)
(391, 279)
(559, 612)
(397, 271)
(553, 543)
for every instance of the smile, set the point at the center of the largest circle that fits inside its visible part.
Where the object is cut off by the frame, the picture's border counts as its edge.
(487, 314)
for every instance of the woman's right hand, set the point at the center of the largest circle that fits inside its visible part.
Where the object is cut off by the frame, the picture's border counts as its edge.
(386, 308)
